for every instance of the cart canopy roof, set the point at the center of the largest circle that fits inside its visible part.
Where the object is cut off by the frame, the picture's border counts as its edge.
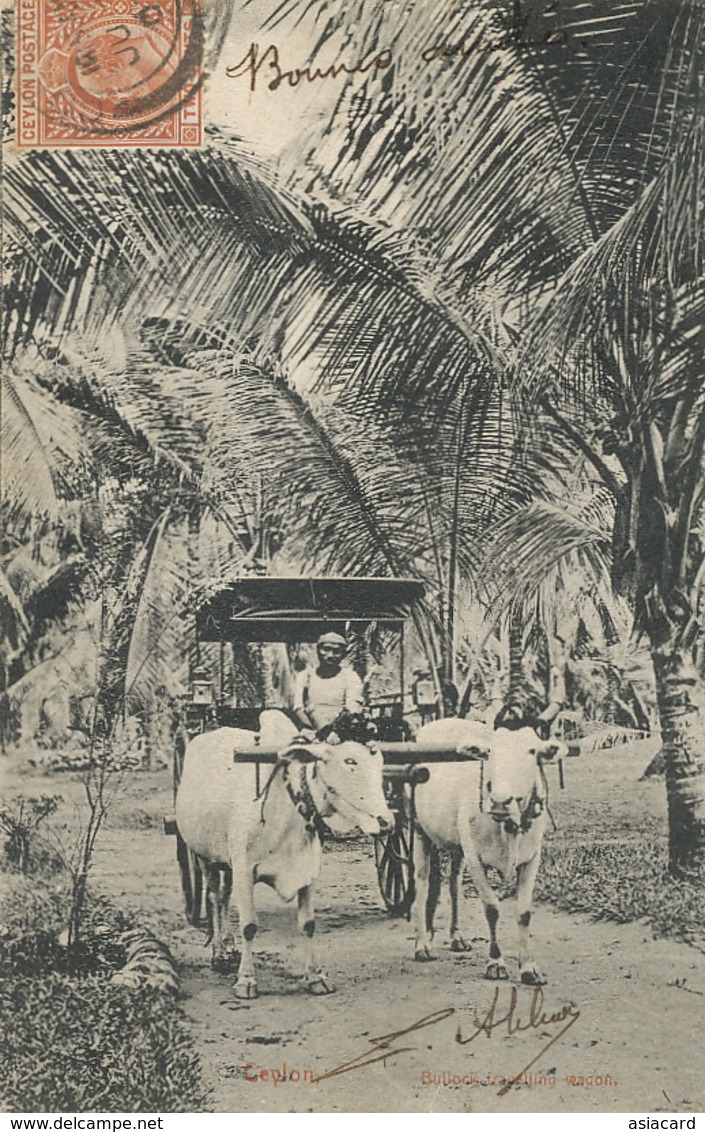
(300, 609)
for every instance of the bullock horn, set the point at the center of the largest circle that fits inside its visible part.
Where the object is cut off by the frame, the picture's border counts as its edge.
(474, 752)
(549, 714)
(300, 749)
(550, 750)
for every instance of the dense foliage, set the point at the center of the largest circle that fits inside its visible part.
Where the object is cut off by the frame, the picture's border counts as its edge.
(80, 1045)
(71, 1040)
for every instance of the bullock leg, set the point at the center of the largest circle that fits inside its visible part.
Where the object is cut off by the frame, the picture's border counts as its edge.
(232, 956)
(316, 980)
(434, 888)
(457, 942)
(215, 917)
(495, 968)
(526, 878)
(422, 920)
(219, 886)
(243, 892)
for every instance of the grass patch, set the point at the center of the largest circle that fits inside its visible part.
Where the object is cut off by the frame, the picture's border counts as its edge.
(622, 877)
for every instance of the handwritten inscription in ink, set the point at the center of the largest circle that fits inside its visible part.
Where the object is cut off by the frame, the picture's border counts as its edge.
(510, 1021)
(268, 64)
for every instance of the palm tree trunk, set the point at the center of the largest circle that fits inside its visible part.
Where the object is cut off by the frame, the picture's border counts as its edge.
(516, 651)
(453, 551)
(683, 735)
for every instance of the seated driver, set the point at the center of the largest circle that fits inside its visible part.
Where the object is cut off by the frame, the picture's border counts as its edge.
(325, 691)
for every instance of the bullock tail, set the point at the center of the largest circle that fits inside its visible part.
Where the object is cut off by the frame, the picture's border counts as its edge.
(434, 887)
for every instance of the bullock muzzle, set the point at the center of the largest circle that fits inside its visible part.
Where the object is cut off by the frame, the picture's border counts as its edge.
(375, 825)
(508, 817)
(500, 811)
(512, 818)
(506, 813)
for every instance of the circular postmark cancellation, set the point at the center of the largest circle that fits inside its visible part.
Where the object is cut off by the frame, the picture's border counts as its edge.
(109, 72)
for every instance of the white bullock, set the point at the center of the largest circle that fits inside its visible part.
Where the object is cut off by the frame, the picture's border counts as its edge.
(490, 813)
(274, 838)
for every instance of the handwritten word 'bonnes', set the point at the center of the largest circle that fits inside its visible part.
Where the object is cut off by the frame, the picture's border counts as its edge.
(269, 61)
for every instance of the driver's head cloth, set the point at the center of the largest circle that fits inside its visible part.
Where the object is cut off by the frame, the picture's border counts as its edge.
(333, 639)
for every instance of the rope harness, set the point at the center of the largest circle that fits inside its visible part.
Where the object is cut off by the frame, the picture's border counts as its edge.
(303, 802)
(300, 795)
(299, 791)
(537, 803)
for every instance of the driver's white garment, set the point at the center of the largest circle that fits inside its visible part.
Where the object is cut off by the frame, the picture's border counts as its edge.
(323, 698)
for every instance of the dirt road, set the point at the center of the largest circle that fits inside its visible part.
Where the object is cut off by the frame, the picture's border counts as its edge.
(636, 1004)
(630, 1007)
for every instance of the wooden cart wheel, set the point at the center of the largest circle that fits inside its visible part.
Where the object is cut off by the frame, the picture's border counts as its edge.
(193, 881)
(395, 869)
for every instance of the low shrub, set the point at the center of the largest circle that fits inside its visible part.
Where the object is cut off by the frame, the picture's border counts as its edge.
(23, 848)
(32, 904)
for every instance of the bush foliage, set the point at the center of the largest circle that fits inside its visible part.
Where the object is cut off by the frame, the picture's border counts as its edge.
(82, 1045)
(71, 1039)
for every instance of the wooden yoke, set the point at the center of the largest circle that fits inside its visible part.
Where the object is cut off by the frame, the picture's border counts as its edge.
(394, 754)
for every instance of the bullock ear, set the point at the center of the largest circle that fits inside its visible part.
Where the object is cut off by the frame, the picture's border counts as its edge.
(473, 752)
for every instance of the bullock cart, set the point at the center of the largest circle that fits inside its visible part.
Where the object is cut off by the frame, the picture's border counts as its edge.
(292, 611)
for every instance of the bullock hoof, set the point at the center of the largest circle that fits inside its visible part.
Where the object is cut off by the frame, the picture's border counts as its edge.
(246, 988)
(496, 971)
(530, 977)
(423, 955)
(319, 983)
(459, 944)
(228, 962)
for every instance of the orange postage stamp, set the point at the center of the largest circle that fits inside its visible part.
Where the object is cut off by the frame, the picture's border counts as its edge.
(109, 72)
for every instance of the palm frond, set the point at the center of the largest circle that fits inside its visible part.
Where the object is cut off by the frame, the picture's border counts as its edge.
(608, 299)
(13, 619)
(526, 548)
(93, 232)
(37, 442)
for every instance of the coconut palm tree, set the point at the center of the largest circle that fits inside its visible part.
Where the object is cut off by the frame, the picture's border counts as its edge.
(550, 164)
(625, 322)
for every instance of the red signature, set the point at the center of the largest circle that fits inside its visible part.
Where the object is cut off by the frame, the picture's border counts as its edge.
(537, 1019)
(387, 1046)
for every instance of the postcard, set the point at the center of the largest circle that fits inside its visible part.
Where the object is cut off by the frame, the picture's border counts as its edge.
(353, 557)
